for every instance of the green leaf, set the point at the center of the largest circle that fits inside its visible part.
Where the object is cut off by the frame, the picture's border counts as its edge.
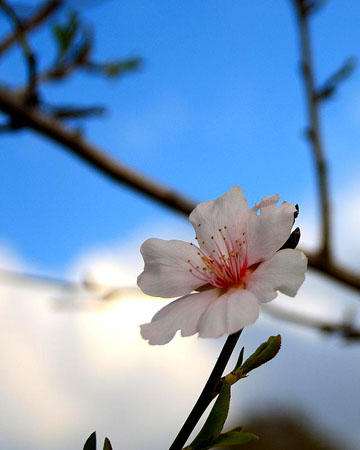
(240, 359)
(65, 34)
(215, 422)
(115, 69)
(263, 354)
(90, 444)
(107, 445)
(333, 82)
(233, 438)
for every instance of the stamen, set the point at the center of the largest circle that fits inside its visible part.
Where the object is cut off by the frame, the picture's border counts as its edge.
(222, 267)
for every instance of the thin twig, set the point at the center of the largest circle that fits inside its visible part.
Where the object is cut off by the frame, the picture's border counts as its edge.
(29, 55)
(19, 279)
(346, 329)
(42, 123)
(208, 392)
(29, 24)
(314, 128)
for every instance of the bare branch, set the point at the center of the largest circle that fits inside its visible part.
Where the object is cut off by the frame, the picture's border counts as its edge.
(33, 118)
(14, 277)
(303, 9)
(346, 329)
(44, 124)
(334, 271)
(86, 285)
(47, 9)
(29, 55)
(74, 112)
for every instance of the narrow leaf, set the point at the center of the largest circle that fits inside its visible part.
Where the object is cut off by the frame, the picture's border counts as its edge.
(264, 353)
(240, 359)
(65, 34)
(107, 444)
(215, 422)
(343, 72)
(332, 83)
(233, 438)
(316, 5)
(90, 444)
(114, 69)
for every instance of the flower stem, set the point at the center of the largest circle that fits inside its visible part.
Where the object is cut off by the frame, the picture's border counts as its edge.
(207, 393)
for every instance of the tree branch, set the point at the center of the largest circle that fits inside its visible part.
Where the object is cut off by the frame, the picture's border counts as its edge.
(304, 10)
(31, 117)
(37, 120)
(32, 22)
(29, 55)
(346, 329)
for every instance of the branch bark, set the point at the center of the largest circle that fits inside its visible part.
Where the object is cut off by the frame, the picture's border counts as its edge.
(34, 118)
(303, 13)
(29, 55)
(346, 329)
(32, 22)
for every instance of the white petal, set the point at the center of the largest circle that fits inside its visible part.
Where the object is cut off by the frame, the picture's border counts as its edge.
(229, 313)
(229, 210)
(182, 314)
(284, 272)
(166, 272)
(269, 230)
(243, 310)
(266, 201)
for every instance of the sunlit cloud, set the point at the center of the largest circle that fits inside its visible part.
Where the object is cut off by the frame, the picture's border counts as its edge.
(73, 362)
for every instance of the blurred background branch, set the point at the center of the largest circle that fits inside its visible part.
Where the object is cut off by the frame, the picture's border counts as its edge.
(99, 292)
(304, 9)
(40, 15)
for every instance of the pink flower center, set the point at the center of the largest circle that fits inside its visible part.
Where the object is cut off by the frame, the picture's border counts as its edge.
(223, 266)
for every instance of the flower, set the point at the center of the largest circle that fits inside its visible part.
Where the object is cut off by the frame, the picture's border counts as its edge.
(236, 266)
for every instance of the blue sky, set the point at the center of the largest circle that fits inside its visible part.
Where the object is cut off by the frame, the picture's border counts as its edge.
(218, 102)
